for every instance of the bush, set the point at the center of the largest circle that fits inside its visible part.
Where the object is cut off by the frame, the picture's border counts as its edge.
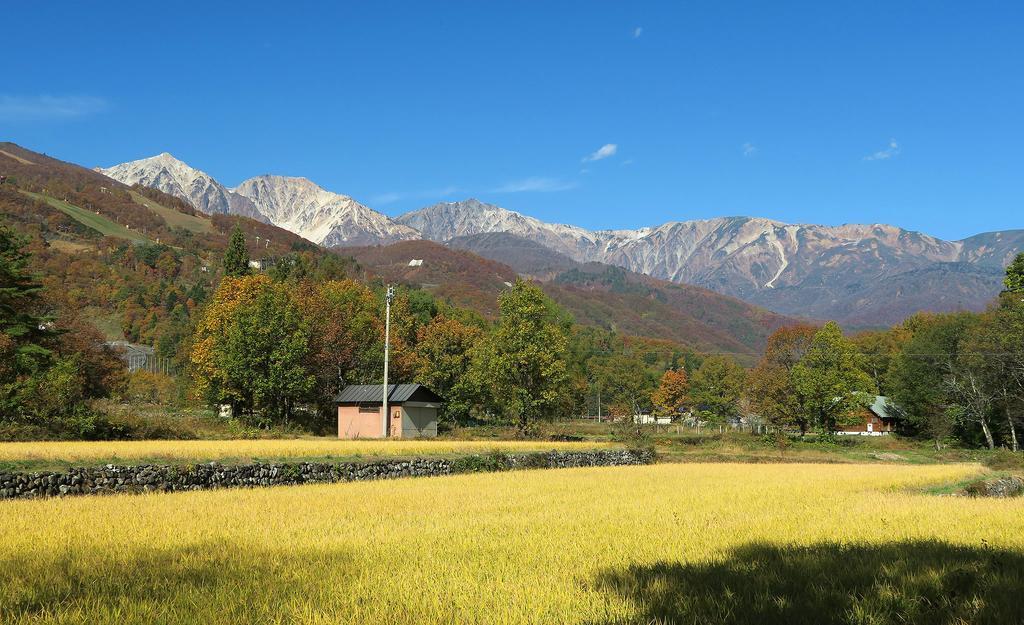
(1005, 460)
(494, 461)
(151, 388)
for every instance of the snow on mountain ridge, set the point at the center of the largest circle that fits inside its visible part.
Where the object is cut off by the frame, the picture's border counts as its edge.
(330, 219)
(174, 177)
(295, 204)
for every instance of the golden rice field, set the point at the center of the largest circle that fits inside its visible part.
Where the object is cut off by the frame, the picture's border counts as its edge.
(681, 543)
(72, 452)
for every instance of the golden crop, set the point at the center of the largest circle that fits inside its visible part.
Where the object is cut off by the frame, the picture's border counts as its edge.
(684, 543)
(207, 450)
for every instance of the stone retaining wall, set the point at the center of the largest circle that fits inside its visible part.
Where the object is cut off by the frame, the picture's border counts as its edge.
(162, 478)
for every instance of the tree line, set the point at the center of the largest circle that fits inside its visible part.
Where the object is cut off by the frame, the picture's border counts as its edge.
(277, 346)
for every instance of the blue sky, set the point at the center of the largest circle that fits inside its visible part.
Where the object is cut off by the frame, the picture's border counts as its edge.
(603, 114)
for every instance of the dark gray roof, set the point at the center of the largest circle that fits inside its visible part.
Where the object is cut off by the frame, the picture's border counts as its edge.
(373, 394)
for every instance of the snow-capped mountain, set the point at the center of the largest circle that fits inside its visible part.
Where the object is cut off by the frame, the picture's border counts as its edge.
(447, 220)
(168, 174)
(861, 274)
(856, 273)
(330, 219)
(295, 204)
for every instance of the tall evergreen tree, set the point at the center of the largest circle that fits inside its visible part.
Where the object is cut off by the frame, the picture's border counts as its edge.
(236, 256)
(23, 332)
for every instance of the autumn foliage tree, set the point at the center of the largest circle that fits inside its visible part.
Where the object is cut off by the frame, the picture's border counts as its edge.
(770, 385)
(672, 393)
(251, 349)
(446, 348)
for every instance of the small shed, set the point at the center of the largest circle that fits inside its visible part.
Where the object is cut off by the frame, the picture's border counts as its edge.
(873, 421)
(413, 409)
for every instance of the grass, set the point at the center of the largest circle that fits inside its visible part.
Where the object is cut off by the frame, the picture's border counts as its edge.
(89, 219)
(174, 219)
(56, 454)
(23, 161)
(680, 543)
(683, 444)
(70, 247)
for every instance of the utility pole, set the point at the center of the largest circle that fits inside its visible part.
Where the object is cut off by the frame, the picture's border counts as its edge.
(387, 339)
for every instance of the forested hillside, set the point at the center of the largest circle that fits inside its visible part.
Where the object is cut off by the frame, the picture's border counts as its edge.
(101, 261)
(602, 296)
(134, 261)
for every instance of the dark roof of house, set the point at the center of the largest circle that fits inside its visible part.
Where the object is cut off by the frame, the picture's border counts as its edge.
(397, 393)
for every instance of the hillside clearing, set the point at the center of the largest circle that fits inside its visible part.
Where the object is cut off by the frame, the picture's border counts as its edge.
(23, 161)
(89, 219)
(664, 543)
(71, 247)
(174, 219)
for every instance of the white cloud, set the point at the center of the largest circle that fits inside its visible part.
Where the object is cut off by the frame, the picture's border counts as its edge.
(749, 149)
(892, 150)
(14, 108)
(639, 30)
(386, 198)
(536, 184)
(394, 196)
(606, 150)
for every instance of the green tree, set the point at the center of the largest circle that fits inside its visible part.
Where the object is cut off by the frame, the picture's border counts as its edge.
(919, 372)
(829, 380)
(523, 362)
(236, 256)
(292, 266)
(988, 357)
(1014, 280)
(251, 350)
(446, 348)
(265, 352)
(625, 382)
(716, 387)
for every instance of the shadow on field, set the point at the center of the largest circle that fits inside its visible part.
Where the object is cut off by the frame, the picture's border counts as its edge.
(157, 585)
(905, 582)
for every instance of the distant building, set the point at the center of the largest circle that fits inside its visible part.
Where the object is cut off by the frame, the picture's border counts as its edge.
(874, 420)
(416, 262)
(413, 409)
(136, 357)
(261, 264)
(646, 419)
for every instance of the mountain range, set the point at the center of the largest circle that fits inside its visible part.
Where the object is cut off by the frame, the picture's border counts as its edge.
(295, 204)
(128, 256)
(861, 275)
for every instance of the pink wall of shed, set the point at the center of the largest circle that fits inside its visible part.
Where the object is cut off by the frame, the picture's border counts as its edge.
(355, 424)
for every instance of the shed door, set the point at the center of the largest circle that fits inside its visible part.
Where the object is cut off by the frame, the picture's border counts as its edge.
(396, 421)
